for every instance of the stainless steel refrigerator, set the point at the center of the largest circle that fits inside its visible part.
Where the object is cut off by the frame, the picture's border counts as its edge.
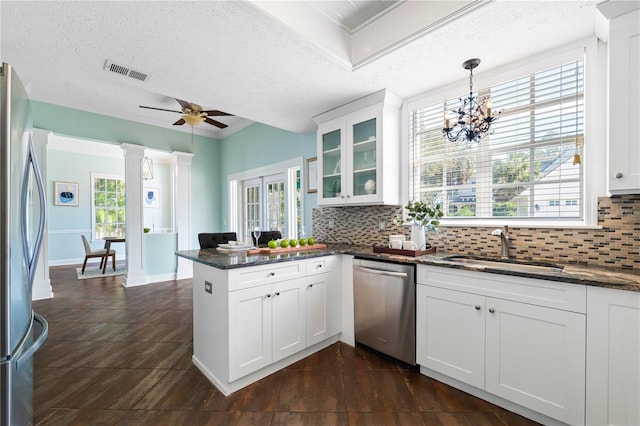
(22, 213)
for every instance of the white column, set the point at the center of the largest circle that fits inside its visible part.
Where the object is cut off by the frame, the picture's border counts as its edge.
(133, 155)
(181, 165)
(41, 282)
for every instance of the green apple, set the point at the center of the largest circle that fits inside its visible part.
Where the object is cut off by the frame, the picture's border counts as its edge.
(284, 243)
(272, 244)
(311, 241)
(302, 242)
(293, 243)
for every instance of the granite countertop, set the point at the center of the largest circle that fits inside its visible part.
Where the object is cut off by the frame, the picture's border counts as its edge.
(226, 260)
(615, 278)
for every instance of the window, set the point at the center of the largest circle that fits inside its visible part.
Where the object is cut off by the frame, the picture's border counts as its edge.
(519, 171)
(107, 193)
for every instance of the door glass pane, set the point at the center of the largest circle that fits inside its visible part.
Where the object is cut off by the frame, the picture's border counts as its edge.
(331, 164)
(275, 206)
(364, 158)
(252, 209)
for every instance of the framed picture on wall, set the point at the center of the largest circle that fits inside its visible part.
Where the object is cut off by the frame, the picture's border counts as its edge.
(150, 197)
(312, 174)
(66, 193)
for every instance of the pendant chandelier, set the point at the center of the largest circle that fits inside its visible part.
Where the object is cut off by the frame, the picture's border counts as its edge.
(147, 168)
(473, 118)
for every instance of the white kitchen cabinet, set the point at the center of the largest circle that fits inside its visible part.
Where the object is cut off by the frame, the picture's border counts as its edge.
(450, 333)
(324, 304)
(613, 357)
(266, 324)
(359, 152)
(250, 325)
(509, 336)
(250, 322)
(623, 103)
(535, 358)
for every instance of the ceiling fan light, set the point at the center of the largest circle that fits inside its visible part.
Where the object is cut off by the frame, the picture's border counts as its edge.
(192, 120)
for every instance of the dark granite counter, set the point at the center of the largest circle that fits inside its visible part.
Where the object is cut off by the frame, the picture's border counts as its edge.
(226, 260)
(615, 278)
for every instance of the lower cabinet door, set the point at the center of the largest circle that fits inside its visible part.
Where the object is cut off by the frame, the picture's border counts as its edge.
(289, 318)
(249, 330)
(317, 308)
(535, 357)
(613, 363)
(450, 333)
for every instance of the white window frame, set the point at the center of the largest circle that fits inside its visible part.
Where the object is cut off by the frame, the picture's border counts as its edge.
(95, 176)
(235, 186)
(594, 126)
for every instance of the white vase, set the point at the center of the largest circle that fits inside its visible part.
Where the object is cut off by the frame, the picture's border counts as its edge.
(418, 237)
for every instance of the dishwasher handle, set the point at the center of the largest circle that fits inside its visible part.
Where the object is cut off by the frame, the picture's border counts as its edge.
(383, 272)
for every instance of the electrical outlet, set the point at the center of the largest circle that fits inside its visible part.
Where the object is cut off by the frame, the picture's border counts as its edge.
(382, 225)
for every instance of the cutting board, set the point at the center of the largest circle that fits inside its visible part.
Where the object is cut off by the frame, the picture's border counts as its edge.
(267, 250)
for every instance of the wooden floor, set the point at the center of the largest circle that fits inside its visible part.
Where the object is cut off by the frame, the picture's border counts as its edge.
(123, 356)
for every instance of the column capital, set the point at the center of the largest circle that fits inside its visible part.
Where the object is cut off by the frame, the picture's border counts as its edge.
(133, 150)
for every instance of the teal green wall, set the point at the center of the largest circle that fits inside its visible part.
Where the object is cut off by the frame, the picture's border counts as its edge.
(66, 223)
(260, 145)
(205, 175)
(252, 147)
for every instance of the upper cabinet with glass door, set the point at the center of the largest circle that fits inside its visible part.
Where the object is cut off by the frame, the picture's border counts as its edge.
(359, 152)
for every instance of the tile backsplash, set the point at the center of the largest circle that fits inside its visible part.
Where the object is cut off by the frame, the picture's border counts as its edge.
(616, 243)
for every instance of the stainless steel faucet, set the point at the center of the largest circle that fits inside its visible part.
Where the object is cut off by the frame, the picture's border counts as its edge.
(504, 241)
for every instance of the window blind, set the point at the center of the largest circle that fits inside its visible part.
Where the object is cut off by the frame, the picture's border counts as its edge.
(524, 168)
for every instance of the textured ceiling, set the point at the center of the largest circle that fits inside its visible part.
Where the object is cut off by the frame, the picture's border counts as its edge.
(227, 55)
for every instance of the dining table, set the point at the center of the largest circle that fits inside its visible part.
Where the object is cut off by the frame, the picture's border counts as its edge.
(107, 246)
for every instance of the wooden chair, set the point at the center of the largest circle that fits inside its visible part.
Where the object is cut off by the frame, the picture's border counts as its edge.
(213, 240)
(89, 252)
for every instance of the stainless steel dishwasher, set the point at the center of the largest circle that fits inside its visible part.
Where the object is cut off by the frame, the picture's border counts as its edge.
(385, 307)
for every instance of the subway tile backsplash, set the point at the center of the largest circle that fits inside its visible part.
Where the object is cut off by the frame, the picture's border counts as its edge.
(616, 243)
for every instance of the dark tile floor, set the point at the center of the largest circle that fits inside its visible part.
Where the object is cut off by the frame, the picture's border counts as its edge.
(119, 356)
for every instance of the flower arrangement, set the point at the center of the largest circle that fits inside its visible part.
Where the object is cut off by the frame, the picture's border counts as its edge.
(419, 213)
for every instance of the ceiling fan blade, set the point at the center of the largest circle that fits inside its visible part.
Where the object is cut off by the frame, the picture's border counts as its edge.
(179, 122)
(183, 104)
(160, 109)
(215, 123)
(211, 112)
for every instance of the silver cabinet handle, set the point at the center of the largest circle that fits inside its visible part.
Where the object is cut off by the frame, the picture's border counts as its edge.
(477, 307)
(310, 285)
(277, 293)
(272, 274)
(492, 310)
(383, 272)
(319, 266)
(619, 175)
(267, 296)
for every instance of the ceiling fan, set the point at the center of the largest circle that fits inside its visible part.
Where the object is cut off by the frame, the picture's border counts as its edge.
(193, 114)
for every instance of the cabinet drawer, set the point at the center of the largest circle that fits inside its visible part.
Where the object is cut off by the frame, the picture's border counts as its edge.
(552, 294)
(264, 274)
(321, 265)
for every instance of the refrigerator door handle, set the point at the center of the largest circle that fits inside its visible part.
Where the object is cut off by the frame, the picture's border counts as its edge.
(35, 345)
(32, 258)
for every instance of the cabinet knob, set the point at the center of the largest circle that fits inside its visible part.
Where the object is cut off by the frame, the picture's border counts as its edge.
(348, 196)
(492, 310)
(272, 274)
(267, 296)
(477, 307)
(342, 196)
(277, 293)
(319, 266)
(619, 175)
(310, 285)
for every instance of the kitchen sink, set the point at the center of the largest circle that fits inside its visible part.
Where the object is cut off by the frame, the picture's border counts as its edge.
(504, 264)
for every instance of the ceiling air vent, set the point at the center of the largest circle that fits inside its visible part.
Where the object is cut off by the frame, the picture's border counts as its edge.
(126, 71)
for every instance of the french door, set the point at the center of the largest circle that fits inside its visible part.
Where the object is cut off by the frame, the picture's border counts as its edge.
(264, 204)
